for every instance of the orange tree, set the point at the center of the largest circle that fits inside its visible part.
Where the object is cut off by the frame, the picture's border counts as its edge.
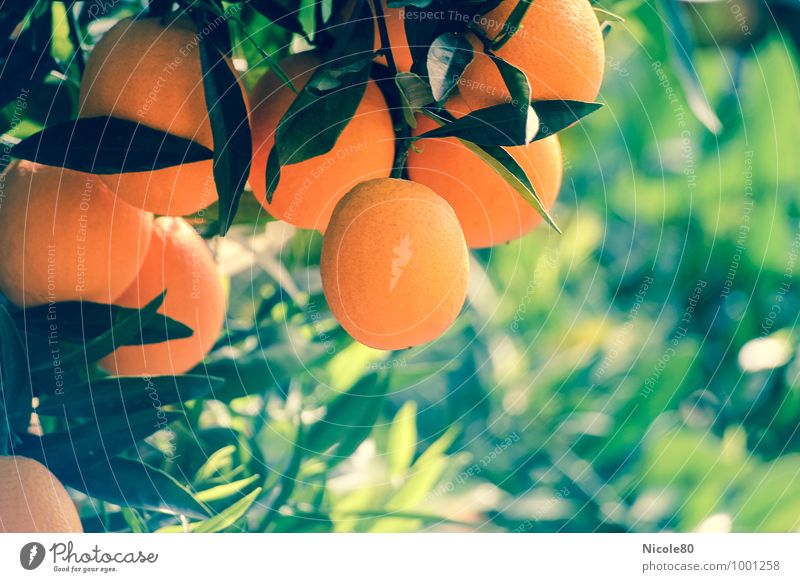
(173, 108)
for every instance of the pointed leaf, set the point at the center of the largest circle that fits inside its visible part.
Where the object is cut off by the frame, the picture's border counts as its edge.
(230, 129)
(15, 385)
(82, 321)
(132, 483)
(448, 56)
(499, 125)
(127, 395)
(76, 449)
(557, 115)
(402, 439)
(320, 112)
(279, 14)
(222, 520)
(108, 145)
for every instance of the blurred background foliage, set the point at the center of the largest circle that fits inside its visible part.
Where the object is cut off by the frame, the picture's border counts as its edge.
(637, 373)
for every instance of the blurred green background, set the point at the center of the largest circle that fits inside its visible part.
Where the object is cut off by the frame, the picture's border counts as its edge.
(637, 373)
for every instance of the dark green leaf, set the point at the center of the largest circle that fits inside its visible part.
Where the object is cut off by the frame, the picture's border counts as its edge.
(321, 111)
(127, 326)
(349, 419)
(515, 79)
(127, 395)
(512, 24)
(76, 449)
(132, 483)
(230, 129)
(557, 115)
(108, 145)
(682, 53)
(12, 13)
(279, 14)
(82, 321)
(448, 56)
(499, 125)
(504, 164)
(223, 520)
(21, 71)
(15, 386)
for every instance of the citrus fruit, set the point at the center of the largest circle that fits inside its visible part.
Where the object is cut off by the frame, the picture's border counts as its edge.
(394, 264)
(490, 211)
(559, 46)
(180, 262)
(33, 500)
(65, 236)
(149, 72)
(308, 191)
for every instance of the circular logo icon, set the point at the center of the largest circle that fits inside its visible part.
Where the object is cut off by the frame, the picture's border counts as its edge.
(31, 555)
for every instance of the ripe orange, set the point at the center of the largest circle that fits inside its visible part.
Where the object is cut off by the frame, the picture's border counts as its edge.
(394, 264)
(180, 262)
(308, 191)
(489, 210)
(559, 46)
(33, 500)
(147, 72)
(66, 237)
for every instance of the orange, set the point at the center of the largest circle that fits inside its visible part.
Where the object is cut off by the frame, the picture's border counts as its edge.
(33, 500)
(490, 211)
(308, 191)
(150, 73)
(180, 262)
(559, 46)
(65, 237)
(394, 264)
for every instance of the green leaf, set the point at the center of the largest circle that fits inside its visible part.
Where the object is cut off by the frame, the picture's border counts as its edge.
(82, 321)
(222, 520)
(557, 115)
(15, 386)
(421, 30)
(402, 442)
(349, 419)
(320, 112)
(230, 129)
(508, 168)
(124, 329)
(127, 395)
(279, 14)
(132, 483)
(515, 79)
(108, 145)
(219, 462)
(512, 24)
(11, 15)
(415, 94)
(424, 474)
(448, 56)
(76, 449)
(499, 125)
(505, 165)
(226, 490)
(21, 71)
(682, 47)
